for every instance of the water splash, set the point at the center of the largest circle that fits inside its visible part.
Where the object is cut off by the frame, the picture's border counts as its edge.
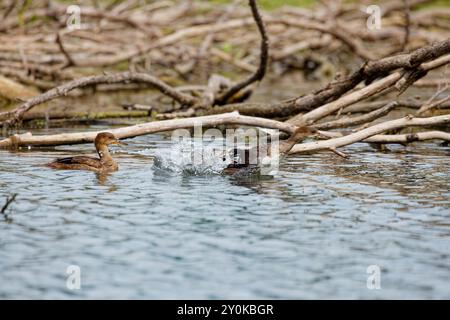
(192, 157)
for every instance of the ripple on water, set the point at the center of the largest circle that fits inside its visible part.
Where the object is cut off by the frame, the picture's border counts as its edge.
(156, 230)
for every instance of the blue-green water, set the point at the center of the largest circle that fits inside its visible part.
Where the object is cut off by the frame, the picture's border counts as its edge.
(311, 231)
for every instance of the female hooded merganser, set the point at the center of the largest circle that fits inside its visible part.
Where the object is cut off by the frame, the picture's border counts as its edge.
(242, 165)
(105, 163)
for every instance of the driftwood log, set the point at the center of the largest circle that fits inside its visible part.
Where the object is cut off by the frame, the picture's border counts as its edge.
(27, 139)
(390, 61)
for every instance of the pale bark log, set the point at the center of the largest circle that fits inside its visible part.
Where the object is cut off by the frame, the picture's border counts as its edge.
(232, 118)
(398, 138)
(368, 132)
(353, 121)
(361, 94)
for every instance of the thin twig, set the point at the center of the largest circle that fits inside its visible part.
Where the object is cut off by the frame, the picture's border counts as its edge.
(70, 62)
(9, 9)
(353, 121)
(9, 200)
(407, 25)
(428, 107)
(264, 56)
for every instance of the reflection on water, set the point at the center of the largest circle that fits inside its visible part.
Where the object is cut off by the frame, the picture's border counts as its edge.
(147, 232)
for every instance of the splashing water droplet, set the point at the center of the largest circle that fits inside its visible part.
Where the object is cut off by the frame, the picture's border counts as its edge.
(192, 157)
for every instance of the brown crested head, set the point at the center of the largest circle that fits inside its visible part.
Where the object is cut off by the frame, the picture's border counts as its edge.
(106, 138)
(301, 132)
(304, 130)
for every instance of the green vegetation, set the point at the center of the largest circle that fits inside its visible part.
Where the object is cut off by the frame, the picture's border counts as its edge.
(270, 4)
(227, 47)
(274, 4)
(433, 4)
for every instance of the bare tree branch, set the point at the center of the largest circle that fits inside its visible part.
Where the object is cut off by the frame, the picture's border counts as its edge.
(370, 71)
(70, 61)
(407, 17)
(397, 138)
(353, 121)
(363, 93)
(407, 121)
(8, 202)
(233, 118)
(15, 115)
(264, 56)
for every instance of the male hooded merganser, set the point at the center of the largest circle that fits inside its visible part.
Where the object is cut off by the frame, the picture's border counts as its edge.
(105, 163)
(242, 165)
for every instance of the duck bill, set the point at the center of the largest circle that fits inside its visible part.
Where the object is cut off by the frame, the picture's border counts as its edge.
(120, 143)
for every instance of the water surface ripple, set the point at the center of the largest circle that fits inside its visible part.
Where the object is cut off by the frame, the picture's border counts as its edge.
(309, 232)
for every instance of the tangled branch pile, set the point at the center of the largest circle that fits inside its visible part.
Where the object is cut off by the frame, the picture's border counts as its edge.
(161, 43)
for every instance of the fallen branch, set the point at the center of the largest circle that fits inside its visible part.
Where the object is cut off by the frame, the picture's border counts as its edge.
(17, 114)
(363, 93)
(369, 72)
(407, 18)
(70, 61)
(84, 116)
(398, 138)
(9, 200)
(407, 121)
(374, 105)
(12, 90)
(335, 30)
(353, 121)
(264, 56)
(333, 93)
(233, 118)
(433, 105)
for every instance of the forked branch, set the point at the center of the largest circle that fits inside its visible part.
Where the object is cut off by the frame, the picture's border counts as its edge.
(368, 132)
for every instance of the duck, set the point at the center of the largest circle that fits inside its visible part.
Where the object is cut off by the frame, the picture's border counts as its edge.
(103, 164)
(242, 166)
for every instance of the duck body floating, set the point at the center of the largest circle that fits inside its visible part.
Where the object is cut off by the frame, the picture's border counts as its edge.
(242, 166)
(104, 163)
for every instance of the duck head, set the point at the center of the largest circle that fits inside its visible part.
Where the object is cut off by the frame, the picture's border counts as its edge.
(106, 138)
